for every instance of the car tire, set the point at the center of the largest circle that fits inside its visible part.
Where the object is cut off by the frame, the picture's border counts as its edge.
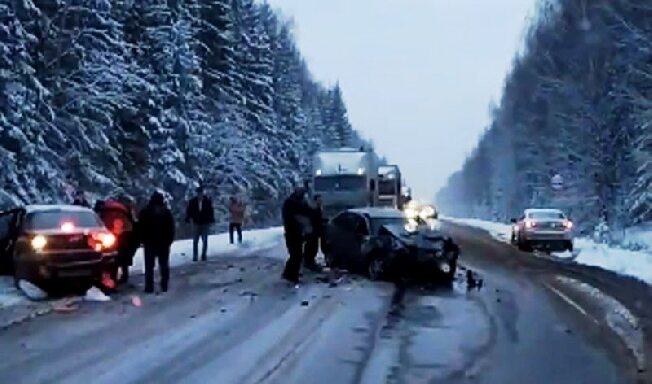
(376, 269)
(569, 246)
(524, 246)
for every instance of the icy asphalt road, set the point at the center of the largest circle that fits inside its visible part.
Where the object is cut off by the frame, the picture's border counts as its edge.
(233, 321)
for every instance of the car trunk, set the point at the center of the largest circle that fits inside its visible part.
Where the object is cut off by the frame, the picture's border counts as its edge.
(70, 247)
(549, 225)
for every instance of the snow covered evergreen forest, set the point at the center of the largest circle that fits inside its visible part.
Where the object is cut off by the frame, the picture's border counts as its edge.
(130, 95)
(578, 103)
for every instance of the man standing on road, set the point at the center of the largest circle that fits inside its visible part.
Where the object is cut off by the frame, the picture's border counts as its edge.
(157, 234)
(236, 218)
(200, 213)
(80, 199)
(295, 213)
(311, 247)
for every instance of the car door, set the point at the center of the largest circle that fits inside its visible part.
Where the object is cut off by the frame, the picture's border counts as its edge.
(360, 234)
(8, 234)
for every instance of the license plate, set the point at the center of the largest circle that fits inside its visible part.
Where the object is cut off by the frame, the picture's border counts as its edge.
(75, 273)
(75, 239)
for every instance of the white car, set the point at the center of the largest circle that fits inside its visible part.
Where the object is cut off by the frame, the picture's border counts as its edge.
(548, 229)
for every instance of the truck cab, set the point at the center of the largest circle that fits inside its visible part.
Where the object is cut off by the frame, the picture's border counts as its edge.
(345, 178)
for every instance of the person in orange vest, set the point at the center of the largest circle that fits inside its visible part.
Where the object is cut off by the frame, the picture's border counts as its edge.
(236, 218)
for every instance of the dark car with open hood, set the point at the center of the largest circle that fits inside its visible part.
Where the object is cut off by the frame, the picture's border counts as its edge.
(384, 244)
(50, 245)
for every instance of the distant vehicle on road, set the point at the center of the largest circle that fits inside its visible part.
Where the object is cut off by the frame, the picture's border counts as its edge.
(389, 186)
(52, 244)
(548, 229)
(345, 178)
(383, 243)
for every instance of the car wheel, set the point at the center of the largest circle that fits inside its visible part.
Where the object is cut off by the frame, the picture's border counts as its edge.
(569, 246)
(512, 240)
(376, 269)
(524, 246)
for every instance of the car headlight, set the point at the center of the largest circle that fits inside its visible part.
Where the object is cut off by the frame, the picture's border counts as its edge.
(410, 213)
(411, 226)
(427, 212)
(445, 267)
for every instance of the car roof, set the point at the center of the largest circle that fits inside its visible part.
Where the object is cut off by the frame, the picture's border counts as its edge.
(379, 213)
(56, 208)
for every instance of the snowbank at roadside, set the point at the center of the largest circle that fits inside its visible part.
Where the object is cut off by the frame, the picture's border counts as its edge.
(253, 241)
(181, 253)
(9, 294)
(631, 263)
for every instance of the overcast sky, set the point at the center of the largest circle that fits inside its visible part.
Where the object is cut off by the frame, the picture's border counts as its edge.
(417, 75)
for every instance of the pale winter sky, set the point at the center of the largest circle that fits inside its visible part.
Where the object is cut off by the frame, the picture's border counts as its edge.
(417, 75)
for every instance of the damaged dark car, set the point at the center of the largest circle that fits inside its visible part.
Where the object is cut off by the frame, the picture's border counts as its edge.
(383, 244)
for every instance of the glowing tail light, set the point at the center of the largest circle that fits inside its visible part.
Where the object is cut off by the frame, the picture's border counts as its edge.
(108, 240)
(102, 241)
(39, 242)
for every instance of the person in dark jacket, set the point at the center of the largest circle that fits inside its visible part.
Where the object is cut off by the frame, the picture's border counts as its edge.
(312, 241)
(156, 229)
(295, 213)
(200, 213)
(80, 199)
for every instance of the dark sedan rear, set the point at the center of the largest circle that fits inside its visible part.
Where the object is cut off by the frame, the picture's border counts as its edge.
(49, 245)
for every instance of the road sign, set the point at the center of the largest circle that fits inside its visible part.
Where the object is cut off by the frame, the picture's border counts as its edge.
(557, 182)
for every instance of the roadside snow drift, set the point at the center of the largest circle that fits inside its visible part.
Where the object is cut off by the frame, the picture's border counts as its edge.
(253, 241)
(631, 263)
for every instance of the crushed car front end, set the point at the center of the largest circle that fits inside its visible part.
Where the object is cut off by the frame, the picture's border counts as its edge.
(423, 255)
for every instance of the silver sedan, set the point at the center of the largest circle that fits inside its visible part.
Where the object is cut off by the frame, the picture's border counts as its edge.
(548, 229)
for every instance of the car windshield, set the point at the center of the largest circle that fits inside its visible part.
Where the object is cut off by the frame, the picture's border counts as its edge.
(339, 183)
(38, 221)
(376, 223)
(552, 215)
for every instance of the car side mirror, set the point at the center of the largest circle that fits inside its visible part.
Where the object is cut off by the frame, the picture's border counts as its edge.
(513, 221)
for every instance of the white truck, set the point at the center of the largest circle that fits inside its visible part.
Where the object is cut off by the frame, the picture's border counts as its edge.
(345, 178)
(389, 186)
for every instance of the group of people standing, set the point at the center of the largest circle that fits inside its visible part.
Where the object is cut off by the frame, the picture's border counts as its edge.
(154, 227)
(304, 232)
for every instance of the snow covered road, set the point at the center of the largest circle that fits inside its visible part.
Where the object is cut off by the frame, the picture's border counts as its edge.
(232, 320)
